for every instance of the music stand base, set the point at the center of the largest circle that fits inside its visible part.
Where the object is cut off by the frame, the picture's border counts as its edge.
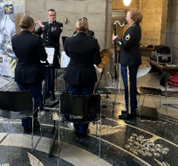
(53, 141)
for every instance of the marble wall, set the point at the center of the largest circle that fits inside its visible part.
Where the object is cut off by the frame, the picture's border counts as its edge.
(151, 23)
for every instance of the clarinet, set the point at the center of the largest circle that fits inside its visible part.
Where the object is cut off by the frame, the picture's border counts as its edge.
(113, 75)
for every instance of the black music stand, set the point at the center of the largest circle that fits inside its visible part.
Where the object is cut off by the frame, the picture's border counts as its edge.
(53, 61)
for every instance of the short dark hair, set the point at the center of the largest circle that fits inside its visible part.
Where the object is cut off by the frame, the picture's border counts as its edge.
(51, 10)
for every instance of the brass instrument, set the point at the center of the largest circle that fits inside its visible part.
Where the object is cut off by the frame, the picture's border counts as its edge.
(105, 55)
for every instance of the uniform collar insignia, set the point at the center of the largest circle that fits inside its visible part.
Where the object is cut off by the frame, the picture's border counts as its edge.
(132, 25)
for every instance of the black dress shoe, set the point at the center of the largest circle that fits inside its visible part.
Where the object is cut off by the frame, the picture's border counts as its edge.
(78, 135)
(83, 135)
(127, 116)
(47, 94)
(27, 130)
(124, 112)
(53, 96)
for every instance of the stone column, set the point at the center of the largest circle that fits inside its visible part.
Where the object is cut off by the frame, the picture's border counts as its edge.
(140, 4)
(141, 8)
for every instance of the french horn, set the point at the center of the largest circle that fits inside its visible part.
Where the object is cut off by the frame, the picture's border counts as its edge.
(105, 55)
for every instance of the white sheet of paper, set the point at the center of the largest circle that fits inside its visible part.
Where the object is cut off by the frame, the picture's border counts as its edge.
(143, 71)
(64, 60)
(50, 52)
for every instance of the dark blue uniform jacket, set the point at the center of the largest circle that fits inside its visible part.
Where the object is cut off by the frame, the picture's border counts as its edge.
(29, 50)
(129, 46)
(84, 52)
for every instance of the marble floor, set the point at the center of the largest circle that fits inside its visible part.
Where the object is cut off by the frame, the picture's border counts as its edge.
(137, 142)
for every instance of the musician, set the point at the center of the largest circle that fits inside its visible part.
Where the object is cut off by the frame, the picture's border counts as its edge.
(130, 56)
(80, 75)
(89, 33)
(29, 72)
(51, 31)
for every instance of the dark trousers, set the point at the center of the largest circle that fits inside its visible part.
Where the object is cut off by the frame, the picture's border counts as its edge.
(50, 79)
(133, 86)
(35, 89)
(50, 74)
(80, 90)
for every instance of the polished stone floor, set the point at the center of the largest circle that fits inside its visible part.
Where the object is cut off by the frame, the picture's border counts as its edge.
(143, 141)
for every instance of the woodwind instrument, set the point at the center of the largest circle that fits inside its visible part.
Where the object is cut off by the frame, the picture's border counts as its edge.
(113, 76)
(115, 47)
(115, 56)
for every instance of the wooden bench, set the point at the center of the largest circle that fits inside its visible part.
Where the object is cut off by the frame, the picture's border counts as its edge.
(155, 67)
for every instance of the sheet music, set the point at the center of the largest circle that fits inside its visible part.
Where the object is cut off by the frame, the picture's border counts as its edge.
(50, 52)
(64, 60)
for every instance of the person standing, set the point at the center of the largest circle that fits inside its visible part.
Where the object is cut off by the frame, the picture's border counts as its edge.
(29, 72)
(51, 31)
(80, 74)
(89, 33)
(130, 60)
